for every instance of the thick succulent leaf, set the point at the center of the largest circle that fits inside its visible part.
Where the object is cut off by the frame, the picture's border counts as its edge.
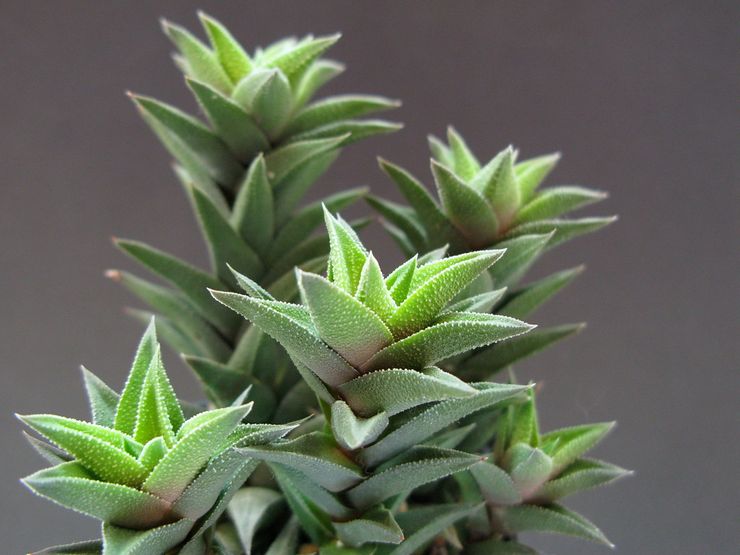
(153, 418)
(554, 519)
(434, 255)
(375, 526)
(567, 444)
(497, 183)
(355, 129)
(290, 326)
(436, 418)
(495, 484)
(249, 508)
(103, 400)
(395, 390)
(402, 217)
(123, 541)
(336, 108)
(353, 432)
(192, 282)
(234, 60)
(302, 224)
(347, 254)
(440, 151)
(91, 547)
(286, 543)
(211, 152)
(531, 173)
(294, 186)
(427, 300)
(421, 525)
(191, 452)
(320, 497)
(465, 164)
(128, 404)
(200, 336)
(282, 161)
(315, 523)
(201, 62)
(399, 280)
(580, 475)
(99, 449)
(431, 216)
(467, 209)
(523, 302)
(230, 121)
(555, 201)
(564, 229)
(152, 452)
(253, 215)
(521, 253)
(49, 452)
(225, 245)
(343, 322)
(492, 359)
(372, 291)
(72, 486)
(316, 455)
(419, 466)
(482, 302)
(530, 467)
(455, 333)
(266, 95)
(293, 61)
(317, 74)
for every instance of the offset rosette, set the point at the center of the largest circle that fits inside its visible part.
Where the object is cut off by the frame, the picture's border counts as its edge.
(157, 479)
(367, 344)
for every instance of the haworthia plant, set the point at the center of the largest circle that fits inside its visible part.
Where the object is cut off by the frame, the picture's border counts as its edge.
(350, 411)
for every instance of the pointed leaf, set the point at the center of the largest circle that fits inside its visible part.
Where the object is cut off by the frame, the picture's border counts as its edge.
(465, 163)
(347, 254)
(128, 404)
(235, 62)
(284, 160)
(266, 95)
(402, 217)
(372, 291)
(353, 432)
(144, 542)
(49, 452)
(521, 253)
(580, 475)
(495, 484)
(522, 303)
(497, 183)
(554, 519)
(375, 526)
(315, 76)
(294, 60)
(249, 508)
(253, 208)
(567, 444)
(564, 229)
(103, 400)
(336, 108)
(555, 201)
(531, 173)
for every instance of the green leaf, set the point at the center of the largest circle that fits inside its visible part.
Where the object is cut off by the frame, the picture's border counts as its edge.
(316, 455)
(531, 173)
(282, 161)
(337, 108)
(530, 468)
(315, 76)
(495, 484)
(343, 322)
(580, 475)
(355, 129)
(564, 229)
(230, 121)
(249, 508)
(192, 451)
(399, 281)
(454, 334)
(92, 547)
(286, 543)
(554, 519)
(418, 466)
(49, 452)
(313, 520)
(347, 255)
(467, 209)
(290, 326)
(555, 201)
(427, 300)
(224, 243)
(353, 432)
(324, 500)
(192, 282)
(497, 357)
(482, 302)
(253, 215)
(465, 163)
(422, 524)
(99, 449)
(435, 418)
(124, 541)
(73, 487)
(372, 291)
(265, 94)
(202, 64)
(103, 400)
(375, 526)
(211, 152)
(152, 453)
(437, 225)
(440, 151)
(567, 444)
(231, 55)
(395, 390)
(497, 183)
(294, 60)
(521, 253)
(522, 303)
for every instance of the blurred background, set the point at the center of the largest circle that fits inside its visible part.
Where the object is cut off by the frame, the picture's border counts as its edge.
(640, 97)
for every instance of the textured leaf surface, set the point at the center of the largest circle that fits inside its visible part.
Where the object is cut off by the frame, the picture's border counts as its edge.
(375, 526)
(103, 400)
(123, 541)
(554, 519)
(249, 508)
(495, 484)
(353, 432)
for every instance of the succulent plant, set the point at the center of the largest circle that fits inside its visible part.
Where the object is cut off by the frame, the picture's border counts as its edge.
(156, 479)
(377, 423)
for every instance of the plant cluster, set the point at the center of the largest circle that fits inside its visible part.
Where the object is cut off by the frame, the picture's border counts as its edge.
(349, 411)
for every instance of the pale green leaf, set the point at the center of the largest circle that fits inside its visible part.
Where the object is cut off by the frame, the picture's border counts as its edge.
(123, 541)
(375, 526)
(521, 253)
(265, 94)
(103, 400)
(564, 229)
(234, 60)
(580, 475)
(253, 215)
(531, 173)
(554, 519)
(336, 108)
(353, 432)
(495, 484)
(523, 302)
(251, 507)
(294, 60)
(282, 161)
(567, 444)
(372, 291)
(555, 201)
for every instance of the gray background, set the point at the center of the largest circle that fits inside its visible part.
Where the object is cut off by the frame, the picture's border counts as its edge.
(640, 98)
